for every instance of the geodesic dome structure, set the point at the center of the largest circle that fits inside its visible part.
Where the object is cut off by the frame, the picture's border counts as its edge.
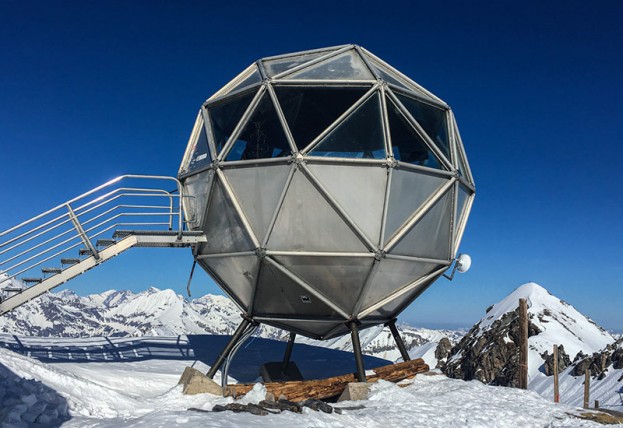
(330, 187)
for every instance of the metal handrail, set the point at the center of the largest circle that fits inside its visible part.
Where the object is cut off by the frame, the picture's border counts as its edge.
(22, 246)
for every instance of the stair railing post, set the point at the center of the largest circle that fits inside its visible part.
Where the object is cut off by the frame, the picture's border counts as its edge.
(81, 232)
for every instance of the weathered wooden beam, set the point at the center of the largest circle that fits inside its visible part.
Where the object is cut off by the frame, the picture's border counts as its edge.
(330, 387)
(523, 344)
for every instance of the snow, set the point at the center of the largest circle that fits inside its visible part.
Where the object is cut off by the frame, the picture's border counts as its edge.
(120, 394)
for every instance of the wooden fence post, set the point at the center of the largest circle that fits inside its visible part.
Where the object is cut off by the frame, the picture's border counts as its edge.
(523, 344)
(587, 387)
(556, 391)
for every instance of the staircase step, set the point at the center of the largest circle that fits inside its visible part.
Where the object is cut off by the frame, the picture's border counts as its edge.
(32, 280)
(53, 271)
(122, 233)
(12, 290)
(105, 243)
(67, 262)
(85, 252)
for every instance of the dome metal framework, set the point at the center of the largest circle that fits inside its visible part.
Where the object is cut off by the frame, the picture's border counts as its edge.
(331, 188)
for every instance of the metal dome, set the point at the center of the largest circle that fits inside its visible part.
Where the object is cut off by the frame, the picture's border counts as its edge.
(330, 187)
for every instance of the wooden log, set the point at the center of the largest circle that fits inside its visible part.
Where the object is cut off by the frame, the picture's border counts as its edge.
(523, 344)
(330, 387)
(587, 387)
(556, 390)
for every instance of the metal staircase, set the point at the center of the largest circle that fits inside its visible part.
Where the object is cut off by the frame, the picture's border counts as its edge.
(74, 237)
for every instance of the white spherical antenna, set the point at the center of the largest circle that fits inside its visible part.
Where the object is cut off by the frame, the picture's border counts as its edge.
(463, 263)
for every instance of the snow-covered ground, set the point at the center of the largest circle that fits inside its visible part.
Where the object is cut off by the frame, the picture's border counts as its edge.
(145, 394)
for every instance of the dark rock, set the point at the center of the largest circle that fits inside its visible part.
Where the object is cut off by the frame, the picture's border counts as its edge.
(442, 351)
(563, 361)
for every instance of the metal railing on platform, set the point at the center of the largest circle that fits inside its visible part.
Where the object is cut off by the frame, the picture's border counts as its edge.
(80, 228)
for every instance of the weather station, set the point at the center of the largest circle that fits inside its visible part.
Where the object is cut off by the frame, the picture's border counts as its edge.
(323, 191)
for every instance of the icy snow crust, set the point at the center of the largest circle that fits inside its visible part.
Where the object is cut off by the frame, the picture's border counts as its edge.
(96, 397)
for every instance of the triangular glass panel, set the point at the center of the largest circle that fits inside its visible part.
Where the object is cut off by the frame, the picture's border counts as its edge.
(262, 136)
(392, 308)
(340, 279)
(258, 191)
(389, 77)
(277, 294)
(253, 79)
(310, 110)
(430, 237)
(278, 66)
(360, 135)
(408, 191)
(407, 145)
(199, 153)
(198, 187)
(432, 119)
(239, 274)
(345, 66)
(307, 222)
(225, 231)
(393, 275)
(225, 115)
(460, 203)
(359, 190)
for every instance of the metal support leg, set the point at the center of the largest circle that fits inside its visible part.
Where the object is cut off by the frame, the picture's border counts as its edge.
(232, 342)
(288, 353)
(354, 335)
(399, 343)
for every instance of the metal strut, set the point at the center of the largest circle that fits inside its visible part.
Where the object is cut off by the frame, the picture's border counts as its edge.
(354, 335)
(399, 343)
(288, 353)
(230, 345)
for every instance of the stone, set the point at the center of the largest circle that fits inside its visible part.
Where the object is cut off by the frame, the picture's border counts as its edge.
(355, 391)
(194, 382)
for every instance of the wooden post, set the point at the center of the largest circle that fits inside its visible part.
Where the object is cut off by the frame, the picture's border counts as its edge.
(556, 392)
(587, 387)
(597, 404)
(523, 344)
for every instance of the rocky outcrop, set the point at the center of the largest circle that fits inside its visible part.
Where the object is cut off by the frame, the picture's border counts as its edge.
(563, 361)
(599, 362)
(443, 351)
(490, 356)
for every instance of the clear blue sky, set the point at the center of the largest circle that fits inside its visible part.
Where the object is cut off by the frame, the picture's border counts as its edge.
(90, 90)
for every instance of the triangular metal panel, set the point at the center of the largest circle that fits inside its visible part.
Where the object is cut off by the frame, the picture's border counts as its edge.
(313, 329)
(225, 115)
(433, 121)
(430, 237)
(198, 187)
(307, 222)
(391, 276)
(345, 66)
(340, 279)
(408, 191)
(277, 294)
(310, 110)
(460, 203)
(360, 191)
(360, 135)
(225, 231)
(393, 308)
(239, 273)
(258, 190)
(407, 144)
(262, 136)
(277, 66)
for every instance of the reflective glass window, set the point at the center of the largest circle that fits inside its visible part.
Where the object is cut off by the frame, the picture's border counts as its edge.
(431, 119)
(310, 110)
(407, 144)
(200, 156)
(251, 80)
(347, 65)
(224, 116)
(360, 135)
(277, 66)
(262, 137)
